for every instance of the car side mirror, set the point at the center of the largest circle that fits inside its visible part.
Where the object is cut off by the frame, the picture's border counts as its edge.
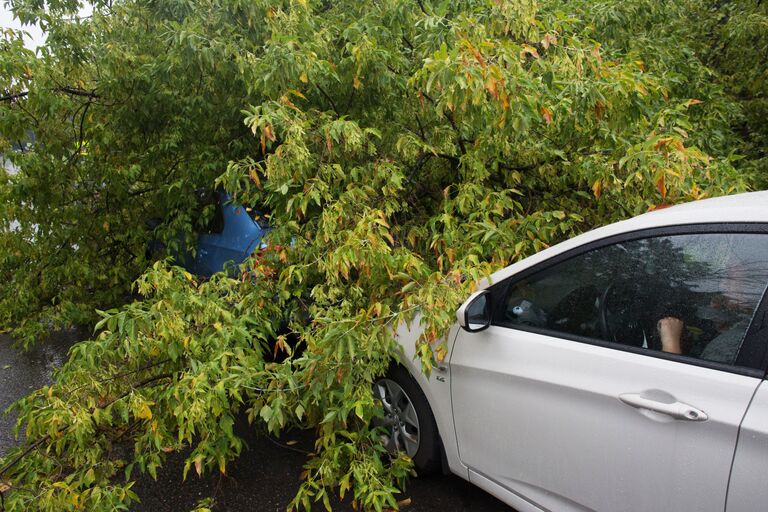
(475, 314)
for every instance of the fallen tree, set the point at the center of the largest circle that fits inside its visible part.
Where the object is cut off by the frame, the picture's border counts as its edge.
(405, 149)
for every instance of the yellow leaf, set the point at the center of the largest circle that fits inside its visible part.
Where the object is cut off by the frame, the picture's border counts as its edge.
(268, 133)
(199, 465)
(303, 77)
(596, 54)
(440, 353)
(491, 86)
(529, 50)
(145, 412)
(298, 93)
(597, 188)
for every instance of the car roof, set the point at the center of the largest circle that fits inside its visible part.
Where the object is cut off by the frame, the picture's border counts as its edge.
(748, 207)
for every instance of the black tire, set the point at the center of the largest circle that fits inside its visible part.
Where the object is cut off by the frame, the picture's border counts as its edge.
(427, 453)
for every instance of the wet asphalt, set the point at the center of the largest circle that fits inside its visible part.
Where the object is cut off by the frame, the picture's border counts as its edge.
(22, 372)
(263, 479)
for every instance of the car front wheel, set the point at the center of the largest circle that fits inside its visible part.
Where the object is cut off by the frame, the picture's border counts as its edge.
(408, 423)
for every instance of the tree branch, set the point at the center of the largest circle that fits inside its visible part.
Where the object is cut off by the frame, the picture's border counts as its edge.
(77, 92)
(121, 375)
(11, 97)
(138, 385)
(418, 165)
(449, 116)
(82, 122)
(25, 452)
(330, 100)
(421, 127)
(68, 90)
(46, 437)
(459, 138)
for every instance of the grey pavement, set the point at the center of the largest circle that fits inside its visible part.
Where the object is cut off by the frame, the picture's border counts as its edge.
(263, 479)
(22, 372)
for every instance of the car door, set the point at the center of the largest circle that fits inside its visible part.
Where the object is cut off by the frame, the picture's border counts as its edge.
(568, 401)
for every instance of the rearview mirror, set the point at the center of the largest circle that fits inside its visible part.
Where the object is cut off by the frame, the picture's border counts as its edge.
(475, 314)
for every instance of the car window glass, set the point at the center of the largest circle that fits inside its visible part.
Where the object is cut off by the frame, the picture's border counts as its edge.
(692, 294)
(216, 224)
(259, 217)
(210, 215)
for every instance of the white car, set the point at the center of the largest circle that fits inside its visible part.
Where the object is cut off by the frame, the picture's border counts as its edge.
(559, 393)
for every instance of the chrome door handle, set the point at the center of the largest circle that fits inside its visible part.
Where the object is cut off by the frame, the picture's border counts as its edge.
(677, 410)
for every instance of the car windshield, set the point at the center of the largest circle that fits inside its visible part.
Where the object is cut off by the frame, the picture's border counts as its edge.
(259, 217)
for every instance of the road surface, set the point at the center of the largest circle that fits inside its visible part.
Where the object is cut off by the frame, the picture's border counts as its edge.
(263, 479)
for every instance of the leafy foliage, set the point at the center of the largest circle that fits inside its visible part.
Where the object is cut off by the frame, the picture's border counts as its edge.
(405, 149)
(738, 51)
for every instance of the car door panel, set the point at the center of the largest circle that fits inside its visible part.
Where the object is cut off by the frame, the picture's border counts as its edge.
(748, 489)
(542, 417)
(206, 254)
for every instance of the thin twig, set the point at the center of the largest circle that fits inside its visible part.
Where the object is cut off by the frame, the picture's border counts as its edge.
(11, 97)
(25, 452)
(121, 375)
(77, 92)
(139, 385)
(287, 447)
(417, 166)
(82, 122)
(421, 127)
(330, 100)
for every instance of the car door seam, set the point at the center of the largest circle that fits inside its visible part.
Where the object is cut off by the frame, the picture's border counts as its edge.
(736, 444)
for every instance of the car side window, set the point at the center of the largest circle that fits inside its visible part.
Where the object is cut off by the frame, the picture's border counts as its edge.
(216, 225)
(692, 294)
(209, 212)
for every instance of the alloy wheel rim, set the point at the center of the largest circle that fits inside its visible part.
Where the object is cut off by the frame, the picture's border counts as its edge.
(400, 421)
